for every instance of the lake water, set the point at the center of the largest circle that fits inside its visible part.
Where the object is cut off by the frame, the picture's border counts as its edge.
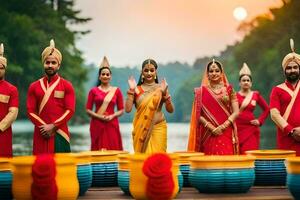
(80, 137)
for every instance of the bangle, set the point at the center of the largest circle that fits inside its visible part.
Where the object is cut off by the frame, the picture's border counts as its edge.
(130, 92)
(130, 98)
(227, 123)
(206, 124)
(223, 127)
(166, 98)
(230, 120)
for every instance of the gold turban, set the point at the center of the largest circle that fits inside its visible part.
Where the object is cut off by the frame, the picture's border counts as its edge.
(3, 60)
(104, 62)
(245, 70)
(51, 50)
(293, 56)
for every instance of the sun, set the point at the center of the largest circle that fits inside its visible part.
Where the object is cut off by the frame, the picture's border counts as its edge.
(240, 13)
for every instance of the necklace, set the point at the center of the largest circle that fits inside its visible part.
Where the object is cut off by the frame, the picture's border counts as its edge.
(149, 87)
(217, 88)
(149, 84)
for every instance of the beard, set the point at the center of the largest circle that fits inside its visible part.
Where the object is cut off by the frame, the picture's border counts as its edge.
(50, 71)
(292, 77)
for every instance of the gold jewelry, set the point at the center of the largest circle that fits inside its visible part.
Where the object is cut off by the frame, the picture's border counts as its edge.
(205, 125)
(130, 98)
(142, 80)
(130, 92)
(215, 87)
(230, 119)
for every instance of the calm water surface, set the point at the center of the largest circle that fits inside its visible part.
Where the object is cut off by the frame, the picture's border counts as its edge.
(80, 137)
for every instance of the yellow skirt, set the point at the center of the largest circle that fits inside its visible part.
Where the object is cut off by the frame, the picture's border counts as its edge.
(158, 138)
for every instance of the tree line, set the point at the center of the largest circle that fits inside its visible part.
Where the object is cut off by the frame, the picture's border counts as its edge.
(26, 31)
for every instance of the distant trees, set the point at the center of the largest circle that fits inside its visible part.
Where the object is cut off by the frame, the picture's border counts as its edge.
(26, 29)
(28, 25)
(267, 43)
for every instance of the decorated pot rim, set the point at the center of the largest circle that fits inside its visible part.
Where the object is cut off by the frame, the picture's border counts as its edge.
(23, 160)
(116, 151)
(80, 158)
(293, 165)
(271, 154)
(188, 152)
(139, 156)
(101, 156)
(99, 153)
(124, 156)
(65, 160)
(184, 156)
(5, 164)
(222, 162)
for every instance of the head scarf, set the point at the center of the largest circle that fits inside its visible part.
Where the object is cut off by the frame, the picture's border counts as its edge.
(293, 56)
(3, 60)
(51, 50)
(205, 81)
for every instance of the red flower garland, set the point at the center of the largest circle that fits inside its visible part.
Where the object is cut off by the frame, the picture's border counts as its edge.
(160, 184)
(43, 175)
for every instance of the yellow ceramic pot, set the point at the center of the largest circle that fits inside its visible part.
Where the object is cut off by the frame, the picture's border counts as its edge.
(272, 154)
(222, 162)
(184, 156)
(5, 179)
(116, 151)
(175, 172)
(79, 158)
(293, 165)
(84, 169)
(5, 164)
(66, 178)
(102, 156)
(123, 161)
(138, 180)
(22, 179)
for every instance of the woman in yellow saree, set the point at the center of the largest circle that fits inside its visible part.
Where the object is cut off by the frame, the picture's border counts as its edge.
(149, 124)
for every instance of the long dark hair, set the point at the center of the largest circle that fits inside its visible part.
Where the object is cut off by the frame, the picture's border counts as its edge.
(99, 73)
(152, 62)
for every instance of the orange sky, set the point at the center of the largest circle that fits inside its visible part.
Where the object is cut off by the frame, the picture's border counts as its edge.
(129, 31)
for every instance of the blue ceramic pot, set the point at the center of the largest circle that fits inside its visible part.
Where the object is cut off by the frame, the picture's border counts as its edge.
(84, 175)
(222, 180)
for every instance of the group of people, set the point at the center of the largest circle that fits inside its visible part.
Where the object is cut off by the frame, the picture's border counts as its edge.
(222, 120)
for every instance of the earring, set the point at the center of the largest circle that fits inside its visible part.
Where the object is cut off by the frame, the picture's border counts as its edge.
(142, 78)
(155, 77)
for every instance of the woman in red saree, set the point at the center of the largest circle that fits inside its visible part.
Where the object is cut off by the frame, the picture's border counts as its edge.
(104, 126)
(215, 108)
(149, 125)
(247, 123)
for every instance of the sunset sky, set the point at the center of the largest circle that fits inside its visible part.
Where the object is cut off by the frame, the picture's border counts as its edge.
(130, 31)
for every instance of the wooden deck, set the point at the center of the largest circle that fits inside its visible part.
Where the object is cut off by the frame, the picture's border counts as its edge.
(255, 193)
